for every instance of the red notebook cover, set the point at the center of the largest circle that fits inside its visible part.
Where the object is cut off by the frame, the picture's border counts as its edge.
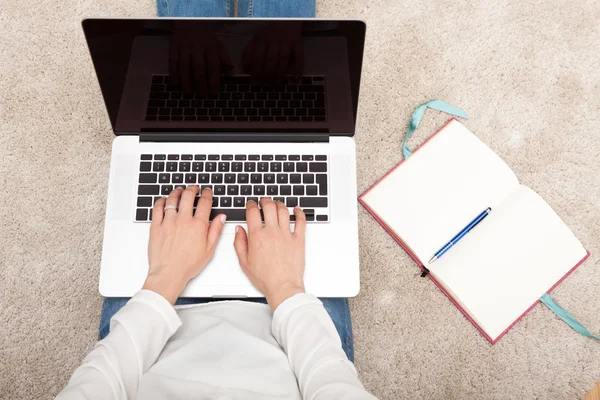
(414, 257)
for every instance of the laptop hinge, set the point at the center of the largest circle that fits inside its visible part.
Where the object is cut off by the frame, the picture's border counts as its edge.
(234, 137)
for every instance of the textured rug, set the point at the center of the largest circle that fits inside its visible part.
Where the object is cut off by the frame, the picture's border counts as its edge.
(527, 73)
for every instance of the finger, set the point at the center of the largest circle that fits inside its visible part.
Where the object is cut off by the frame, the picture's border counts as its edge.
(283, 215)
(298, 64)
(271, 58)
(285, 55)
(226, 63)
(240, 244)
(213, 65)
(247, 55)
(253, 216)
(173, 62)
(172, 200)
(258, 59)
(270, 211)
(186, 204)
(214, 232)
(300, 227)
(185, 70)
(204, 205)
(199, 72)
(158, 212)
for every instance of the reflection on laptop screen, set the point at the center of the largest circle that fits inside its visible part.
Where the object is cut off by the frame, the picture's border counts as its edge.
(228, 75)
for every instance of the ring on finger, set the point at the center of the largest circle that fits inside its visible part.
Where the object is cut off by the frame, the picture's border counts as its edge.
(170, 207)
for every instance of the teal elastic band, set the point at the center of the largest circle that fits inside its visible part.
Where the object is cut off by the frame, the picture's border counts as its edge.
(565, 316)
(418, 114)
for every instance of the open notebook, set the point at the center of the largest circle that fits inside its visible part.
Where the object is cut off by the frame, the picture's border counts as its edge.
(501, 268)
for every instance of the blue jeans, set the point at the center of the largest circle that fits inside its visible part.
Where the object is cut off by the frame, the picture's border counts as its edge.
(246, 8)
(337, 308)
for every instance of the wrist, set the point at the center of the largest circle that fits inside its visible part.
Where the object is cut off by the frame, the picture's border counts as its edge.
(168, 287)
(275, 298)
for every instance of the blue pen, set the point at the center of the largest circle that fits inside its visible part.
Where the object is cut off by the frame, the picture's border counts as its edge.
(461, 234)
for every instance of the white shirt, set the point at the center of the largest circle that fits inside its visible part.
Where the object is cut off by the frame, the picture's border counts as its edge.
(219, 350)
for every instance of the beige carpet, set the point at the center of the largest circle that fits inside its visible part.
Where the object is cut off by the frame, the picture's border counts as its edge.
(528, 74)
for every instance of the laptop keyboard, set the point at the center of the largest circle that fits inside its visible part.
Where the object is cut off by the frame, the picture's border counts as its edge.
(295, 100)
(294, 179)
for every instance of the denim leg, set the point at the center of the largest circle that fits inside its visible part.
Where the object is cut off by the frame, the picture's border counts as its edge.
(195, 8)
(277, 8)
(339, 311)
(336, 307)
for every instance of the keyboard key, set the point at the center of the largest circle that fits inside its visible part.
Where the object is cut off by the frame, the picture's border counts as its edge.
(173, 157)
(269, 178)
(254, 199)
(298, 190)
(216, 178)
(186, 157)
(322, 182)
(246, 190)
(256, 178)
(249, 166)
(267, 157)
(239, 202)
(272, 190)
(275, 167)
(145, 166)
(240, 157)
(308, 178)
(307, 158)
(321, 158)
(280, 199)
(172, 166)
(253, 157)
(219, 190)
(141, 214)
(213, 156)
(164, 178)
(210, 167)
(263, 167)
(233, 190)
(144, 202)
(223, 167)
(295, 178)
(190, 178)
(288, 167)
(205, 187)
(236, 167)
(147, 178)
(184, 166)
(229, 178)
(301, 167)
(285, 190)
(158, 166)
(310, 214)
(280, 157)
(179, 186)
(203, 178)
(242, 178)
(160, 157)
(146, 157)
(311, 190)
(282, 178)
(318, 167)
(259, 190)
(177, 178)
(200, 157)
(227, 157)
(215, 202)
(291, 201)
(225, 201)
(197, 166)
(165, 190)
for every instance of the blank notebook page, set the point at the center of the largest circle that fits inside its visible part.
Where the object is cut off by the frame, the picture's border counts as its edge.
(440, 188)
(504, 265)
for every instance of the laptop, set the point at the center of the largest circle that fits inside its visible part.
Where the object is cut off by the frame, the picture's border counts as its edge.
(248, 107)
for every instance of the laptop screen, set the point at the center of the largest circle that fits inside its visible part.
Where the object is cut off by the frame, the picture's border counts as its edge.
(228, 75)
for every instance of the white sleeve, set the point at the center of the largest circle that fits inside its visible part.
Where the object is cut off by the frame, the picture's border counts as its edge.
(304, 329)
(138, 333)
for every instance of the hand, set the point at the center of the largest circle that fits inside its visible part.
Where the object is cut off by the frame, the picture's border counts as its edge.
(271, 255)
(274, 52)
(181, 242)
(196, 59)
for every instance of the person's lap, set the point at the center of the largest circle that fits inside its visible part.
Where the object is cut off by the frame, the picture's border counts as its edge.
(336, 307)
